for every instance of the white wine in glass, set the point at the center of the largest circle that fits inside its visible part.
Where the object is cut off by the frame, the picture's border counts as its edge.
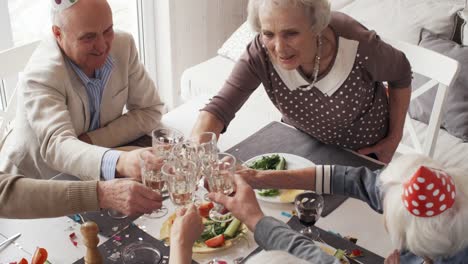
(181, 181)
(221, 181)
(152, 177)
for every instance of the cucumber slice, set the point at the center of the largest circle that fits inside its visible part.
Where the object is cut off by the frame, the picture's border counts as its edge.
(232, 228)
(281, 164)
(339, 254)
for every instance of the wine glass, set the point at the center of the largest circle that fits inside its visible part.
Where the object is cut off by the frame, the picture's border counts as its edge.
(181, 181)
(164, 139)
(152, 177)
(221, 180)
(208, 152)
(309, 206)
(189, 151)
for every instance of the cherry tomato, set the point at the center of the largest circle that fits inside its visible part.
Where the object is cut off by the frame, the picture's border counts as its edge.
(205, 208)
(40, 256)
(216, 241)
(23, 261)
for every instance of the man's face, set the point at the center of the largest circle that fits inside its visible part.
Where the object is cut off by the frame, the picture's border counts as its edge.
(87, 34)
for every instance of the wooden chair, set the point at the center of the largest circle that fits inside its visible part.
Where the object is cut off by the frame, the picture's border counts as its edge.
(12, 63)
(442, 71)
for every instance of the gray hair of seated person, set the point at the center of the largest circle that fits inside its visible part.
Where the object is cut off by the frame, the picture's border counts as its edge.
(319, 12)
(433, 237)
(275, 257)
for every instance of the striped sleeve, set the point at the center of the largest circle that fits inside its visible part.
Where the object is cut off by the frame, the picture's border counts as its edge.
(109, 164)
(323, 179)
(357, 182)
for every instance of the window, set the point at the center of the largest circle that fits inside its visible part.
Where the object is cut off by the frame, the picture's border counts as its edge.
(23, 21)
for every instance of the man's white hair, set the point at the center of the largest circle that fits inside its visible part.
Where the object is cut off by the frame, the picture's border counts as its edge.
(275, 257)
(319, 12)
(432, 237)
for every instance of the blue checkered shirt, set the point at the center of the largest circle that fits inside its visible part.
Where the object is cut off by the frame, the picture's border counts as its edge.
(95, 88)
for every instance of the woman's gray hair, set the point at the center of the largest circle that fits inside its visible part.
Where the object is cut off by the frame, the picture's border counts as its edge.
(275, 257)
(318, 10)
(432, 237)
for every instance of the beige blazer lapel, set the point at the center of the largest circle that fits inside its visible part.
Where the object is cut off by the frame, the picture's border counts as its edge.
(115, 87)
(77, 85)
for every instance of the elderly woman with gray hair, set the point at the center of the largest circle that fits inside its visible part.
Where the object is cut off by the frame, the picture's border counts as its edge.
(324, 72)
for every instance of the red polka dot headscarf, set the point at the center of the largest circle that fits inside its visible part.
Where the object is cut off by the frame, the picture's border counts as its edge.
(429, 192)
(63, 4)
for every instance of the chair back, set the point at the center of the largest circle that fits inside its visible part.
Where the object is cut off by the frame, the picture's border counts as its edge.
(442, 71)
(12, 63)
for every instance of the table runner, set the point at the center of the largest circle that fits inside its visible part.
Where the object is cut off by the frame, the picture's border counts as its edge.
(277, 137)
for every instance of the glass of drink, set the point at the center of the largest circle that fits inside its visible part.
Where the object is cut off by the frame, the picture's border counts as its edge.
(181, 181)
(208, 152)
(309, 206)
(164, 139)
(221, 180)
(189, 151)
(152, 177)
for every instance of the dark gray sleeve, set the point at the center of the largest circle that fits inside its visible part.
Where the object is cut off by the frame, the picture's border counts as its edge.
(360, 183)
(271, 234)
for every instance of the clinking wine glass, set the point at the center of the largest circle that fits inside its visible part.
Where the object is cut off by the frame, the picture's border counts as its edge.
(309, 206)
(208, 152)
(164, 139)
(221, 180)
(189, 150)
(152, 177)
(181, 181)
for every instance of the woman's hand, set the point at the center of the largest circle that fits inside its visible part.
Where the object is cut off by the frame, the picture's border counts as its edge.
(384, 149)
(187, 227)
(243, 205)
(185, 230)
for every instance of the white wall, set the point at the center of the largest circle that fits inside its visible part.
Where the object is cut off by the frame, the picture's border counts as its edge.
(189, 32)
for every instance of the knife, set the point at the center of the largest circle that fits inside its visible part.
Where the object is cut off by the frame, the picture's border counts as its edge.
(9, 240)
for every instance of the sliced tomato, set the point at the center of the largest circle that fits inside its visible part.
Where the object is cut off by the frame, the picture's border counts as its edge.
(23, 261)
(216, 241)
(40, 256)
(204, 209)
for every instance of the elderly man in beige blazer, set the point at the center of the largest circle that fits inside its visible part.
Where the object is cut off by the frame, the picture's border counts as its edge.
(72, 96)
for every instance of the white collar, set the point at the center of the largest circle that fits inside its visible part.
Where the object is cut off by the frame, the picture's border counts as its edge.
(342, 66)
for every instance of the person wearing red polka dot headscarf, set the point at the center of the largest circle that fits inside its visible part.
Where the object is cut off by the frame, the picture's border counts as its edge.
(425, 210)
(425, 205)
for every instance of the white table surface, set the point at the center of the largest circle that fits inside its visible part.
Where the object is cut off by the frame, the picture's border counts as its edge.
(353, 217)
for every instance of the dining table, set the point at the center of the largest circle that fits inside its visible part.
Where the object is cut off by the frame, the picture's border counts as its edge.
(62, 239)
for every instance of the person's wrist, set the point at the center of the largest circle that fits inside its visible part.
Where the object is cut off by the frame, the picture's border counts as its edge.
(253, 220)
(102, 187)
(178, 240)
(120, 166)
(254, 178)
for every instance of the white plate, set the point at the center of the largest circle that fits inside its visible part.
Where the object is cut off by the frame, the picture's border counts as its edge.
(292, 162)
(330, 251)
